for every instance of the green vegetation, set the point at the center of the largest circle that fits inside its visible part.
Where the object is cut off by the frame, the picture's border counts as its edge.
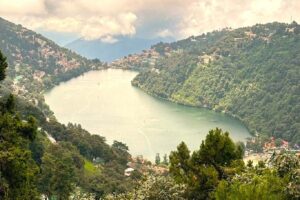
(30, 165)
(217, 158)
(89, 167)
(94, 167)
(37, 64)
(28, 52)
(154, 188)
(216, 171)
(3, 66)
(17, 168)
(250, 73)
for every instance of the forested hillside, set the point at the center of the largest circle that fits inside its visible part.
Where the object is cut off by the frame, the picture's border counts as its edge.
(36, 63)
(27, 50)
(72, 163)
(39, 155)
(251, 73)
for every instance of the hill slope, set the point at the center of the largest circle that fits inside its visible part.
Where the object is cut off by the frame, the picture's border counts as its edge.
(251, 73)
(31, 164)
(31, 53)
(36, 63)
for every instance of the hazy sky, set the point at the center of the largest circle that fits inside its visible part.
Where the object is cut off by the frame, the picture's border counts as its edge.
(105, 19)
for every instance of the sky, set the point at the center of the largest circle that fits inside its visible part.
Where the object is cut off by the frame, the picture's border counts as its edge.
(107, 19)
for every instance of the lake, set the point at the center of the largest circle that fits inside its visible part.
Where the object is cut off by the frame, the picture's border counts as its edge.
(105, 103)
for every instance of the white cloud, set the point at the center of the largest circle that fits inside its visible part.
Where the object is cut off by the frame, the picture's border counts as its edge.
(101, 27)
(208, 15)
(165, 33)
(22, 7)
(105, 19)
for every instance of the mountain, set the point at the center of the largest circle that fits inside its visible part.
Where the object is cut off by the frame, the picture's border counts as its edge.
(112, 51)
(29, 53)
(37, 63)
(250, 73)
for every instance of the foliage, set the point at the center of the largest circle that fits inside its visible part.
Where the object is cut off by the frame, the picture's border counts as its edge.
(3, 66)
(251, 186)
(27, 154)
(157, 159)
(281, 181)
(217, 157)
(58, 171)
(17, 168)
(154, 188)
(287, 167)
(250, 73)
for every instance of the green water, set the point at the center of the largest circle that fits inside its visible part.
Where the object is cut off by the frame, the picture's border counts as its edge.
(105, 103)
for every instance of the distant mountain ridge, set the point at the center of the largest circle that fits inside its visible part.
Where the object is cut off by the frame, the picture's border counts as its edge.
(108, 52)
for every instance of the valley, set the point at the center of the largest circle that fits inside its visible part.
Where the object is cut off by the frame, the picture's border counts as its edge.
(104, 102)
(213, 116)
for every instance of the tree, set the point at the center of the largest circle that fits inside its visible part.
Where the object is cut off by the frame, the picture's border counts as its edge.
(180, 163)
(121, 150)
(165, 161)
(250, 163)
(241, 147)
(157, 159)
(287, 166)
(218, 150)
(120, 146)
(58, 172)
(252, 186)
(3, 66)
(154, 188)
(216, 159)
(17, 168)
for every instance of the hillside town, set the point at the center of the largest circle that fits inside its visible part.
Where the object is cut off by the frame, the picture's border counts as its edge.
(258, 149)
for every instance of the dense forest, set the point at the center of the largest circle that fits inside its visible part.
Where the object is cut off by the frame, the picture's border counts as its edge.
(251, 73)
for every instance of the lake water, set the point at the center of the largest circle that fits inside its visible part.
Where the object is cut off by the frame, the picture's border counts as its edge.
(105, 103)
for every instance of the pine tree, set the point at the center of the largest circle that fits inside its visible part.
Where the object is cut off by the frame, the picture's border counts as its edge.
(157, 159)
(165, 161)
(203, 170)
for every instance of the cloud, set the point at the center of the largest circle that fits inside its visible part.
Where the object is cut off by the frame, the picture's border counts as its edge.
(23, 7)
(208, 15)
(165, 33)
(106, 19)
(89, 28)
